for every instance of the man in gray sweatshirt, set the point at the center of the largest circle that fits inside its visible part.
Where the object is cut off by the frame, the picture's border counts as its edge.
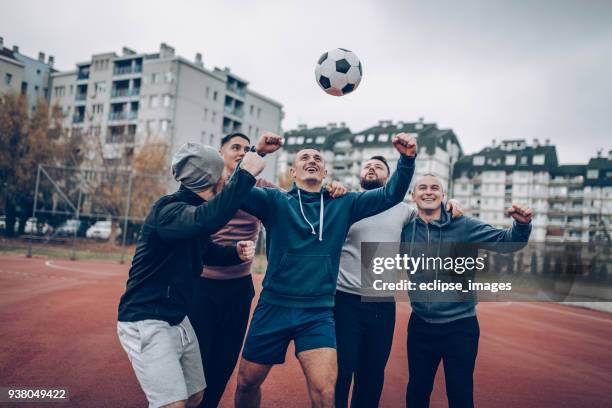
(448, 331)
(364, 329)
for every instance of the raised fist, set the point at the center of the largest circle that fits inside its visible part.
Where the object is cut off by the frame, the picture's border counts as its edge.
(520, 213)
(246, 250)
(269, 143)
(405, 144)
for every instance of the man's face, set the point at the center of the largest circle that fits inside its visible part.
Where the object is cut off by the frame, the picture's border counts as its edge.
(373, 174)
(309, 166)
(427, 193)
(233, 151)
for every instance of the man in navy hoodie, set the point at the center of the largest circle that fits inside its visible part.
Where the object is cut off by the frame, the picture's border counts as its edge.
(305, 231)
(443, 328)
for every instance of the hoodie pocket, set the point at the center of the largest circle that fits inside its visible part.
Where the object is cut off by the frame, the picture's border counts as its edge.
(303, 276)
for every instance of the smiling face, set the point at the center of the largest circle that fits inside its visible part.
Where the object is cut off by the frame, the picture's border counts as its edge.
(233, 151)
(373, 174)
(308, 168)
(428, 193)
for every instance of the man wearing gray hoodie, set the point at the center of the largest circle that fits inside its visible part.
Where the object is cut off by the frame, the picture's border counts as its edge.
(448, 331)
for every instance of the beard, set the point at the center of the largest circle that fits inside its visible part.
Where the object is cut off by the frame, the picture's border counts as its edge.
(371, 184)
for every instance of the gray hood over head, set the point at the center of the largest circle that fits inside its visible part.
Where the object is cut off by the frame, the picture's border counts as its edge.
(197, 167)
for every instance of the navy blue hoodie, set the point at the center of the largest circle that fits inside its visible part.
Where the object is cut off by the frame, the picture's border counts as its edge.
(305, 232)
(455, 230)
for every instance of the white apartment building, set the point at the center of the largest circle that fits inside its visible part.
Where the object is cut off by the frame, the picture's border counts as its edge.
(346, 152)
(132, 99)
(489, 181)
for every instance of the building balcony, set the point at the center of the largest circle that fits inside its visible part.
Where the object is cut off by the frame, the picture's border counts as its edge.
(127, 70)
(80, 97)
(124, 92)
(115, 116)
(236, 90)
(78, 119)
(233, 111)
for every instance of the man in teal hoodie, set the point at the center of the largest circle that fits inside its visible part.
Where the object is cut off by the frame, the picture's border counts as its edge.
(444, 327)
(305, 231)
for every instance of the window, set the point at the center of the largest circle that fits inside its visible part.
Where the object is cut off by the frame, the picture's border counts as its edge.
(291, 140)
(38, 72)
(371, 137)
(203, 137)
(538, 159)
(592, 173)
(169, 76)
(205, 113)
(309, 140)
(510, 160)
(524, 160)
(154, 78)
(99, 88)
(300, 140)
(151, 126)
(207, 92)
(59, 91)
(165, 123)
(214, 117)
(95, 130)
(383, 138)
(153, 101)
(214, 95)
(97, 109)
(8, 78)
(167, 101)
(71, 89)
(320, 140)
(251, 110)
(360, 138)
(478, 160)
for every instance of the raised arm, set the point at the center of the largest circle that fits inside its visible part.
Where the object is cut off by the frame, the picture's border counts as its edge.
(518, 234)
(220, 255)
(378, 200)
(180, 220)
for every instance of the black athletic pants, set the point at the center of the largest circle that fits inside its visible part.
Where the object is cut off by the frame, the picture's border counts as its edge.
(219, 316)
(364, 333)
(456, 345)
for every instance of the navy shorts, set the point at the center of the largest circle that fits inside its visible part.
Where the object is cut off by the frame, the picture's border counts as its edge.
(273, 327)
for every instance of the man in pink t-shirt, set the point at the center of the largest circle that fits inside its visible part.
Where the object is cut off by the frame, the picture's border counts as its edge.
(223, 295)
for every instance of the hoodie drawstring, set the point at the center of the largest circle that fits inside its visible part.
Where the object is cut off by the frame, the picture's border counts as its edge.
(185, 339)
(321, 211)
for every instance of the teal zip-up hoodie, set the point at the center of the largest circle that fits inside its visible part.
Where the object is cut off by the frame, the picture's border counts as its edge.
(434, 238)
(305, 232)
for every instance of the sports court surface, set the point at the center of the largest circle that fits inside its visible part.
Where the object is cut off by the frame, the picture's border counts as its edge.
(58, 329)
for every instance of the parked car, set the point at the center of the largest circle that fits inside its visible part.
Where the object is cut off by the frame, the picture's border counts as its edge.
(3, 223)
(70, 227)
(100, 230)
(32, 226)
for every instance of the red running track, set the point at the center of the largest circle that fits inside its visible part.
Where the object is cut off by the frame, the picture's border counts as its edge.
(58, 329)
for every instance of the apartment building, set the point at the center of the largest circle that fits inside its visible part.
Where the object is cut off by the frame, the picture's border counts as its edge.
(23, 75)
(571, 202)
(345, 152)
(132, 99)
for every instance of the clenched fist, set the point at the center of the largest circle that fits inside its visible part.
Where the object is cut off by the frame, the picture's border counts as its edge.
(269, 143)
(520, 213)
(246, 250)
(336, 189)
(253, 163)
(405, 144)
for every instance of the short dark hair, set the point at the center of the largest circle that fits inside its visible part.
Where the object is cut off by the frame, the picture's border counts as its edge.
(382, 159)
(229, 137)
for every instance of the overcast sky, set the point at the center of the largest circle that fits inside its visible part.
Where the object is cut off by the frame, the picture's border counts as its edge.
(486, 69)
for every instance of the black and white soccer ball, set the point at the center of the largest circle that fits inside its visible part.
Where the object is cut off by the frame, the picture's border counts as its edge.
(338, 72)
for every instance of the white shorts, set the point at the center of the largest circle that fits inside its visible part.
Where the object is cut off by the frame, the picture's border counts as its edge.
(165, 358)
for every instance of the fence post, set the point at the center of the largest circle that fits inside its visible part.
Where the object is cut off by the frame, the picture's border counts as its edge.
(29, 254)
(76, 231)
(125, 221)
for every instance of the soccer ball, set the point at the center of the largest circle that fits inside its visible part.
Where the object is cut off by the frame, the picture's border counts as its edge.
(338, 72)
